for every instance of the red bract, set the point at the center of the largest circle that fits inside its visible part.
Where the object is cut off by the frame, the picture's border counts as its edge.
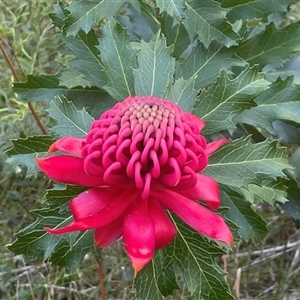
(140, 158)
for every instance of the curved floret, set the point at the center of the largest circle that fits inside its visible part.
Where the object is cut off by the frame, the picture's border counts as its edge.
(140, 158)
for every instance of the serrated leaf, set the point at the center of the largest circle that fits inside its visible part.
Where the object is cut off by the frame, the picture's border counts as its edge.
(33, 241)
(195, 256)
(71, 78)
(140, 26)
(182, 92)
(240, 163)
(85, 14)
(271, 45)
(156, 68)
(207, 20)
(71, 257)
(166, 278)
(31, 144)
(176, 35)
(44, 88)
(280, 102)
(146, 283)
(254, 9)
(174, 8)
(83, 48)
(70, 121)
(62, 196)
(119, 59)
(226, 98)
(251, 224)
(206, 64)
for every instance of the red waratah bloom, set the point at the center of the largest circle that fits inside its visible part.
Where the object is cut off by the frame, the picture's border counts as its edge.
(140, 158)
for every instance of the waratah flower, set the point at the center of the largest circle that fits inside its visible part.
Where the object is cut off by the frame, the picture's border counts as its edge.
(141, 159)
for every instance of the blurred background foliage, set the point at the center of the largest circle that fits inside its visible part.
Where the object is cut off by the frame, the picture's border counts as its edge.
(268, 270)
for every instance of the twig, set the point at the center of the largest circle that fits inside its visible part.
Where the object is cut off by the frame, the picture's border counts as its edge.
(16, 77)
(101, 280)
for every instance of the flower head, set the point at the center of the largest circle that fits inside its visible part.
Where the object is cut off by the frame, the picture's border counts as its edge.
(140, 158)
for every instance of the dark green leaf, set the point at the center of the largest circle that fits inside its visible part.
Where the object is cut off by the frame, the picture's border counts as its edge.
(251, 224)
(195, 256)
(271, 45)
(58, 197)
(33, 241)
(71, 257)
(207, 20)
(254, 9)
(287, 133)
(70, 121)
(280, 102)
(166, 279)
(176, 35)
(32, 144)
(119, 60)
(226, 98)
(71, 78)
(146, 283)
(85, 14)
(174, 8)
(83, 48)
(45, 88)
(156, 68)
(206, 64)
(182, 93)
(240, 163)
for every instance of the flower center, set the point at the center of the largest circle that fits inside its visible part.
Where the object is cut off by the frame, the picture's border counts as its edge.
(145, 141)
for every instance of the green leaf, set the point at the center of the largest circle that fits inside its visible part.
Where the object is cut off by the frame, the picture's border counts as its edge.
(174, 8)
(195, 256)
(254, 9)
(240, 163)
(33, 241)
(44, 88)
(251, 224)
(31, 144)
(70, 121)
(226, 98)
(85, 14)
(72, 78)
(166, 279)
(146, 283)
(271, 45)
(206, 64)
(156, 68)
(59, 197)
(280, 102)
(182, 93)
(176, 35)
(119, 59)
(71, 257)
(207, 20)
(270, 191)
(83, 48)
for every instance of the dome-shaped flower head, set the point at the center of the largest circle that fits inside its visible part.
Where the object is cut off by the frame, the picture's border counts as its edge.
(140, 159)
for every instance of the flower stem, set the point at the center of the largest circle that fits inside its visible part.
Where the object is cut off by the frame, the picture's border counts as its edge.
(16, 77)
(101, 280)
